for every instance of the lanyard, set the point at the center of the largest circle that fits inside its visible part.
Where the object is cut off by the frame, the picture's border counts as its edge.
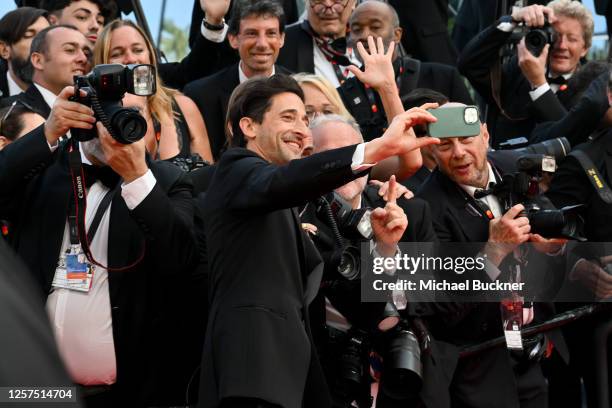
(78, 206)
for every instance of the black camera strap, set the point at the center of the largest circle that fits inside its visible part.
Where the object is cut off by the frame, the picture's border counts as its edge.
(78, 206)
(593, 175)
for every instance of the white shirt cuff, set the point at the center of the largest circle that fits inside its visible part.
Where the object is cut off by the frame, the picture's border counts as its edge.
(135, 192)
(214, 36)
(539, 91)
(506, 27)
(492, 271)
(54, 147)
(358, 165)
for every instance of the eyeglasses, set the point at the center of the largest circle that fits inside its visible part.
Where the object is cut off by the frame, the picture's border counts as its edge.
(319, 6)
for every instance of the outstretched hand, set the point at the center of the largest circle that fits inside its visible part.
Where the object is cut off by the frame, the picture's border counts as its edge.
(378, 72)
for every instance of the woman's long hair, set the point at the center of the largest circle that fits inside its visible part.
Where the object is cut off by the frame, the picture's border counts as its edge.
(159, 104)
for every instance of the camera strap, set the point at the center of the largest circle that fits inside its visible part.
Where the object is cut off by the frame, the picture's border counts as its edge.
(593, 175)
(78, 206)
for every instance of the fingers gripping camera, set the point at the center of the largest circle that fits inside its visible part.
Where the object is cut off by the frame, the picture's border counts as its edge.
(105, 87)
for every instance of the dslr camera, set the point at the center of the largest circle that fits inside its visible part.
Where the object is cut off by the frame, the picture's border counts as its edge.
(536, 38)
(523, 187)
(105, 87)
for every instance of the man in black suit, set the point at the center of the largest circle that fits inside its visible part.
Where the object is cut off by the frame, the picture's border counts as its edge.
(527, 89)
(489, 378)
(57, 54)
(426, 24)
(258, 349)
(257, 31)
(17, 29)
(378, 19)
(111, 287)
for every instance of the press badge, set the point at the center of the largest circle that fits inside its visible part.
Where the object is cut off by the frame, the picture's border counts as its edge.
(73, 271)
(512, 318)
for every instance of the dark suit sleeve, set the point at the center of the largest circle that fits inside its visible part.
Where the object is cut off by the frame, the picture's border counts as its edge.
(166, 218)
(479, 56)
(570, 185)
(205, 58)
(20, 162)
(250, 183)
(581, 120)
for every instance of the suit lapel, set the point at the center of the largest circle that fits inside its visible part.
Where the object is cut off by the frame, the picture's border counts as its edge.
(311, 264)
(473, 224)
(305, 52)
(33, 97)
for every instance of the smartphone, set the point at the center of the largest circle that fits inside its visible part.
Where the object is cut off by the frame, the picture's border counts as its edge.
(457, 121)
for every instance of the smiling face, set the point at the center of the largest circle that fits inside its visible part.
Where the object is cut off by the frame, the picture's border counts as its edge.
(569, 46)
(84, 15)
(127, 46)
(66, 56)
(282, 134)
(464, 159)
(258, 42)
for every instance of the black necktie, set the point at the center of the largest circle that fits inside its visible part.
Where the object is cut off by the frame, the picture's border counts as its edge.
(105, 174)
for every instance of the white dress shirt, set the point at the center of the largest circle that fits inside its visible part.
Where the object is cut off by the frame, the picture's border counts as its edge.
(325, 68)
(82, 321)
(14, 88)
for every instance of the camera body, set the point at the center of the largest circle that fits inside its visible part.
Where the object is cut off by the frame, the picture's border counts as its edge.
(105, 87)
(536, 38)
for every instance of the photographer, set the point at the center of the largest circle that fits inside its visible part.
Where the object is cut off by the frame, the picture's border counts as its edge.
(529, 87)
(459, 217)
(87, 223)
(337, 313)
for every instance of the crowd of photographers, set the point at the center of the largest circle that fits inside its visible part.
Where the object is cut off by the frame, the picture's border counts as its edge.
(196, 230)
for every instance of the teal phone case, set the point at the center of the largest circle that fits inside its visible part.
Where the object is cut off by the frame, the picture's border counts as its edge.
(458, 121)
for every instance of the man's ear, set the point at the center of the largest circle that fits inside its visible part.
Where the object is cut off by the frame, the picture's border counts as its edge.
(4, 141)
(5, 51)
(249, 128)
(233, 41)
(282, 41)
(397, 35)
(53, 19)
(36, 59)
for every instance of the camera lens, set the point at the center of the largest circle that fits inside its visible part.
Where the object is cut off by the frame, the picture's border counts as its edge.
(403, 372)
(128, 125)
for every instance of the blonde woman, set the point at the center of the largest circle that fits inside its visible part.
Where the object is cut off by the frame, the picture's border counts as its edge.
(176, 128)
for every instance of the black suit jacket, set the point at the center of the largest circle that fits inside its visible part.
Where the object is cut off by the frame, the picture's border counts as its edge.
(27, 347)
(35, 189)
(463, 323)
(258, 341)
(297, 54)
(571, 186)
(33, 98)
(442, 78)
(4, 89)
(479, 61)
(205, 58)
(425, 25)
(211, 95)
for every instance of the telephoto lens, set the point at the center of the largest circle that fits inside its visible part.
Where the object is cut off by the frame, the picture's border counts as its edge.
(402, 376)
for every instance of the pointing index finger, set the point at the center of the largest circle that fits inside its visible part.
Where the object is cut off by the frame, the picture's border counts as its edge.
(392, 190)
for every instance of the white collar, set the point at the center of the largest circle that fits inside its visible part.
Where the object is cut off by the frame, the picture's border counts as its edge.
(13, 87)
(471, 189)
(47, 95)
(242, 76)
